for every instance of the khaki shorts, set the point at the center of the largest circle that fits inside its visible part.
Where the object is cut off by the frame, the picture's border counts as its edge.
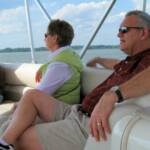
(67, 130)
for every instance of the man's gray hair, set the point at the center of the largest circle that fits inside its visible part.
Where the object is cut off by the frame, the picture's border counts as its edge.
(143, 18)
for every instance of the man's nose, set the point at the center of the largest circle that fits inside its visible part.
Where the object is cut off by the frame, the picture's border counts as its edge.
(119, 34)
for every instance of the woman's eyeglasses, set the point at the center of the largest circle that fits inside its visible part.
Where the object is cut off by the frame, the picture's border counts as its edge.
(46, 35)
(126, 29)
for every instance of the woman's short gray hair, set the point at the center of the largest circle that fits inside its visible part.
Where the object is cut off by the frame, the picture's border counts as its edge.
(143, 17)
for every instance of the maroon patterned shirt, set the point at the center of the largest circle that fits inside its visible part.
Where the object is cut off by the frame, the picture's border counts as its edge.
(123, 71)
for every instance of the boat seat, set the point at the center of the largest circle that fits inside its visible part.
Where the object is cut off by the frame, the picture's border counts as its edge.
(18, 78)
(15, 79)
(119, 121)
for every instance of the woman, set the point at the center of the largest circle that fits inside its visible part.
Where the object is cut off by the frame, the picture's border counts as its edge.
(60, 77)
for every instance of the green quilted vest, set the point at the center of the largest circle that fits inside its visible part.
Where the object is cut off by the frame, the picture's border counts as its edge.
(69, 92)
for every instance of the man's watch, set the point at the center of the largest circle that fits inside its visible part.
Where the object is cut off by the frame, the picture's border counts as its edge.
(116, 89)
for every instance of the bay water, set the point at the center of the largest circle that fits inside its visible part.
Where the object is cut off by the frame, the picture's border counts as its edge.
(42, 56)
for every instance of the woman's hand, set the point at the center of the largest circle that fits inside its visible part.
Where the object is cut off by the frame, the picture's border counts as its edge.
(98, 123)
(38, 76)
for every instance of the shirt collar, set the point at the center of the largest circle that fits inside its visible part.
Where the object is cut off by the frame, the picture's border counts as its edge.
(139, 55)
(58, 51)
(133, 59)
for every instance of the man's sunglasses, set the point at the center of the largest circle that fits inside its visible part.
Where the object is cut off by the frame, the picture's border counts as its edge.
(126, 29)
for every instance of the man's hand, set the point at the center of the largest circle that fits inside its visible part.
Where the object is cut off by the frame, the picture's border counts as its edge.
(98, 123)
(38, 76)
(93, 62)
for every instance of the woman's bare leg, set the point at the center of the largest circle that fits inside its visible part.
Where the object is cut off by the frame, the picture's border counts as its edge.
(33, 103)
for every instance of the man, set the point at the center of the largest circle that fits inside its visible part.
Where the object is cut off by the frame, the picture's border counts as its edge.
(139, 85)
(67, 126)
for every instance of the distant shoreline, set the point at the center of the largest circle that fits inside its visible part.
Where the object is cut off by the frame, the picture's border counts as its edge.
(77, 47)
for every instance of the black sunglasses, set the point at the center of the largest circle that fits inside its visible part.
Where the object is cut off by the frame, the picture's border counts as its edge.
(46, 35)
(126, 29)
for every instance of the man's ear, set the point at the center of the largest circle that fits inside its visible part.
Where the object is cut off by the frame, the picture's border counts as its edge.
(145, 33)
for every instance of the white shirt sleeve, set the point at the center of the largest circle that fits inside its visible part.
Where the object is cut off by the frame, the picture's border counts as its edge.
(55, 76)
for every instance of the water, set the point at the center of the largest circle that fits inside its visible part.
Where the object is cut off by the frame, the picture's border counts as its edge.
(105, 53)
(42, 56)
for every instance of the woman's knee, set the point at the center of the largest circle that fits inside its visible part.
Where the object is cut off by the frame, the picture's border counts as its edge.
(35, 94)
(29, 96)
(31, 93)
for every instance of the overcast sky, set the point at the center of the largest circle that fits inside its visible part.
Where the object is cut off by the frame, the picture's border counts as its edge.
(84, 15)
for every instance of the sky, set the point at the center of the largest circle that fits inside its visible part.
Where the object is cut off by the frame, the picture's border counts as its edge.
(83, 15)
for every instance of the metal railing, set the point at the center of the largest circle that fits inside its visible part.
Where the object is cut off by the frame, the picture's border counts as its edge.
(29, 26)
(85, 48)
(43, 10)
(144, 5)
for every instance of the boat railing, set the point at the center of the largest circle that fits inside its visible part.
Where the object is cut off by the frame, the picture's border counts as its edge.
(43, 10)
(29, 27)
(144, 5)
(85, 48)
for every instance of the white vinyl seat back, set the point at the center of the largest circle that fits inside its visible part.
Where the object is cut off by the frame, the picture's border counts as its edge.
(20, 74)
(132, 130)
(91, 77)
(18, 78)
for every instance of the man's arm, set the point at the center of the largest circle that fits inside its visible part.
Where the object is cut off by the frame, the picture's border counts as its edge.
(139, 85)
(108, 63)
